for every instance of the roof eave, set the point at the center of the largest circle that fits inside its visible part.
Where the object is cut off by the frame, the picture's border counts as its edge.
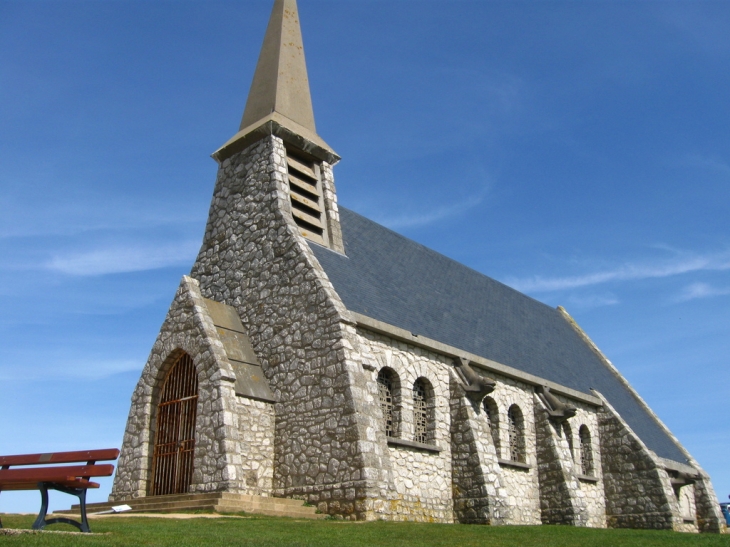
(281, 126)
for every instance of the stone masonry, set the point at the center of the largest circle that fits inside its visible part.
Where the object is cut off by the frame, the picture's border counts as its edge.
(253, 259)
(219, 439)
(295, 389)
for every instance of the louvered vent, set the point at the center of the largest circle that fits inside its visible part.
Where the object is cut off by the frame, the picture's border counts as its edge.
(305, 192)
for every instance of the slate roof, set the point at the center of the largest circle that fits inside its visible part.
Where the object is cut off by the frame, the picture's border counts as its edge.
(393, 279)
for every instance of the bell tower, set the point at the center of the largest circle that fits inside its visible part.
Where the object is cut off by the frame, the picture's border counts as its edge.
(279, 103)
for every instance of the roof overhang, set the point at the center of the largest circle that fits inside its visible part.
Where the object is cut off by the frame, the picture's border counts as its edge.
(483, 363)
(288, 130)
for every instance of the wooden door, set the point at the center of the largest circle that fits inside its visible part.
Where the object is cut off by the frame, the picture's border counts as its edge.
(172, 462)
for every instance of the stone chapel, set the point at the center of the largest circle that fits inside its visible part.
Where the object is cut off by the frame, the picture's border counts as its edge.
(314, 354)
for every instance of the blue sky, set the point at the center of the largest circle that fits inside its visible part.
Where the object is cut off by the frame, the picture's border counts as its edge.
(577, 151)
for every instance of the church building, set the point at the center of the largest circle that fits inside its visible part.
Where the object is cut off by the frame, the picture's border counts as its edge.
(313, 354)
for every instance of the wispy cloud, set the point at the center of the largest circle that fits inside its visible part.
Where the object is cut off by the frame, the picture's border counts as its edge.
(700, 290)
(626, 272)
(60, 217)
(437, 214)
(124, 259)
(83, 369)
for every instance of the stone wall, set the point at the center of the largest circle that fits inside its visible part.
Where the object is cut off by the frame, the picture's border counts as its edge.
(255, 423)
(332, 214)
(421, 480)
(187, 328)
(591, 492)
(638, 494)
(560, 500)
(709, 516)
(478, 492)
(523, 496)
(254, 259)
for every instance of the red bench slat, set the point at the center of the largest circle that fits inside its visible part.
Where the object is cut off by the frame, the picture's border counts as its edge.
(61, 457)
(48, 474)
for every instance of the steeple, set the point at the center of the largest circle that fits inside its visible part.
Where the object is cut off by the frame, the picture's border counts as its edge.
(279, 101)
(280, 83)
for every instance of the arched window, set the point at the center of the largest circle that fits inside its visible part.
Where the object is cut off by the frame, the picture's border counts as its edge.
(586, 451)
(423, 423)
(516, 434)
(388, 390)
(568, 432)
(172, 459)
(492, 413)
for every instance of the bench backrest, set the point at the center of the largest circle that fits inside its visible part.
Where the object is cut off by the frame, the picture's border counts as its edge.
(88, 456)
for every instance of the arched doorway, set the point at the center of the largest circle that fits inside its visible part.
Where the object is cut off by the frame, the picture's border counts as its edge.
(172, 462)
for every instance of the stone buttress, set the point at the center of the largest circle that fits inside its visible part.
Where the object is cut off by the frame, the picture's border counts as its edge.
(560, 492)
(479, 495)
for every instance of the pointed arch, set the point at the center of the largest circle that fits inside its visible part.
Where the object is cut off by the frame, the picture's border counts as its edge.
(173, 453)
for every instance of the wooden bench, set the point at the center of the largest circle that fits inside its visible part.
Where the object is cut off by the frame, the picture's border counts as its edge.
(70, 479)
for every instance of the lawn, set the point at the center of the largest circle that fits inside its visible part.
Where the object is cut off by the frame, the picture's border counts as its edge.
(281, 532)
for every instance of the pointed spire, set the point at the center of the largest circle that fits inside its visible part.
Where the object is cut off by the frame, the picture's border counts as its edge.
(279, 101)
(280, 83)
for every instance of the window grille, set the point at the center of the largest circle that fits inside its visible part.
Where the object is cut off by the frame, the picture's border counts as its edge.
(305, 194)
(385, 390)
(173, 455)
(568, 432)
(586, 451)
(516, 434)
(492, 414)
(420, 411)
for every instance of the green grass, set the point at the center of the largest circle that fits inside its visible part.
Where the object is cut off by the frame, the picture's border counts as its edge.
(280, 532)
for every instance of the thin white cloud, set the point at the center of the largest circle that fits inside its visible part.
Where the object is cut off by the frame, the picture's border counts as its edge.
(700, 290)
(627, 272)
(82, 369)
(592, 300)
(59, 217)
(124, 259)
(432, 216)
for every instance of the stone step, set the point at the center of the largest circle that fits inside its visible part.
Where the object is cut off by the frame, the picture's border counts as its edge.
(220, 502)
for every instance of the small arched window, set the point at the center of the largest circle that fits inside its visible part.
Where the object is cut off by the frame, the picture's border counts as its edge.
(423, 419)
(586, 451)
(516, 434)
(492, 413)
(568, 432)
(388, 391)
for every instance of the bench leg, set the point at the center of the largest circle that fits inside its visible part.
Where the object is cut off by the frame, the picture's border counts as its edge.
(41, 522)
